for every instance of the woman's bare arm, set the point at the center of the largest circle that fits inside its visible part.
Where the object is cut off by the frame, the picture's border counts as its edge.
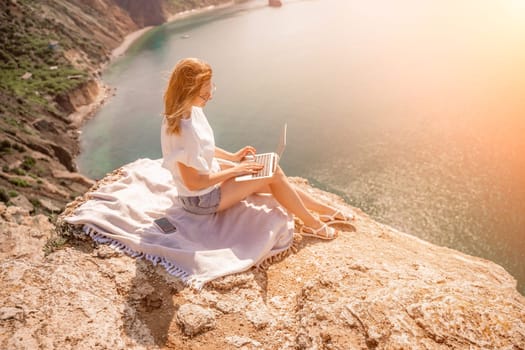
(195, 181)
(223, 154)
(234, 157)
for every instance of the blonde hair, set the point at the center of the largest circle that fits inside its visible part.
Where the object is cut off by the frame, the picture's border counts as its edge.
(186, 81)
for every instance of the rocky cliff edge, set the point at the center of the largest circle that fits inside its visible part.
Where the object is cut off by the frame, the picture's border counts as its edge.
(371, 288)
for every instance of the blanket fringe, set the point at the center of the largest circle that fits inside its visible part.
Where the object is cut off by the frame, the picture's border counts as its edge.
(170, 267)
(79, 231)
(293, 248)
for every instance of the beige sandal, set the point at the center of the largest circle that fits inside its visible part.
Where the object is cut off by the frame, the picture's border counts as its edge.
(337, 216)
(329, 232)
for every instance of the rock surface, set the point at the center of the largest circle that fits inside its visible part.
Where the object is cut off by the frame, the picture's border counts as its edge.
(194, 319)
(371, 288)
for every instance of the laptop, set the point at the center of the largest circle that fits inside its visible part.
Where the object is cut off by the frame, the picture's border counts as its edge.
(269, 160)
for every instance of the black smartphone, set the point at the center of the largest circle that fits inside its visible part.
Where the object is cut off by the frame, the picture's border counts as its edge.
(165, 225)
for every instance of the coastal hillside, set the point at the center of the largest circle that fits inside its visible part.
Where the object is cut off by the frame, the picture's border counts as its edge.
(51, 55)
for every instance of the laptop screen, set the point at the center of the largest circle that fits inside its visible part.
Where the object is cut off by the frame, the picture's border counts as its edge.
(282, 142)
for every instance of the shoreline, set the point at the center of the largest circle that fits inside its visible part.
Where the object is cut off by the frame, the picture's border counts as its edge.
(132, 37)
(129, 39)
(86, 112)
(197, 11)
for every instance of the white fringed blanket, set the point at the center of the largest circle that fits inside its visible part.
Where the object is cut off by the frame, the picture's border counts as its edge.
(204, 247)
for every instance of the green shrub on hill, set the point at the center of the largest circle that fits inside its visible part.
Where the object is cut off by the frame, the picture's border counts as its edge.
(28, 163)
(18, 171)
(18, 147)
(5, 146)
(19, 182)
(4, 196)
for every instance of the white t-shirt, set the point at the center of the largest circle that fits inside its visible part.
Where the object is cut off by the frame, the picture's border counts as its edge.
(194, 146)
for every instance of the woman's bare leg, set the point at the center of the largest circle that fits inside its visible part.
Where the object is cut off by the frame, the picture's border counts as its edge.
(309, 202)
(233, 192)
(313, 204)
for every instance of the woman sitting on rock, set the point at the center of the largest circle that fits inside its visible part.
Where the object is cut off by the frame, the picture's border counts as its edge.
(190, 154)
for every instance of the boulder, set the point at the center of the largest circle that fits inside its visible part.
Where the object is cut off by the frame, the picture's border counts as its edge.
(49, 205)
(194, 319)
(63, 156)
(22, 202)
(73, 176)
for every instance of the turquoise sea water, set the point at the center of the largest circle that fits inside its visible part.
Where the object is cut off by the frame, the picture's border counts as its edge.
(412, 111)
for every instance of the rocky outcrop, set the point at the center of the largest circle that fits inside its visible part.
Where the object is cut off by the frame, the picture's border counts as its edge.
(86, 93)
(145, 12)
(371, 288)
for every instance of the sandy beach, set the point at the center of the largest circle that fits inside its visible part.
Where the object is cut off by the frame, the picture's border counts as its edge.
(128, 40)
(132, 37)
(197, 11)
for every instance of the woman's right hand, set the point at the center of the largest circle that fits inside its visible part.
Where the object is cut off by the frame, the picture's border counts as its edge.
(246, 168)
(242, 154)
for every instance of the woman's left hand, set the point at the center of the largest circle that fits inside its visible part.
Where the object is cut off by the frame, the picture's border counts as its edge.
(240, 154)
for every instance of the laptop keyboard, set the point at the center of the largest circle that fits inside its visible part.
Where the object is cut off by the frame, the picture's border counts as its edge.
(266, 160)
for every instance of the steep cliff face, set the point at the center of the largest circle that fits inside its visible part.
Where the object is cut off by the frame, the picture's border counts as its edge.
(145, 12)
